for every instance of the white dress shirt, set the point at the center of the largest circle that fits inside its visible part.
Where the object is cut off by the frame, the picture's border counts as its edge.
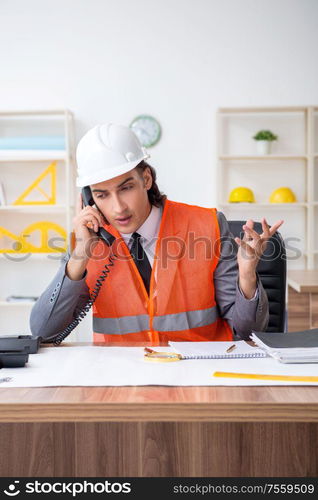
(149, 233)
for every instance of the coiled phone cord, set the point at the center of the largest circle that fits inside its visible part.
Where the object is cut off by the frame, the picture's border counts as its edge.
(83, 312)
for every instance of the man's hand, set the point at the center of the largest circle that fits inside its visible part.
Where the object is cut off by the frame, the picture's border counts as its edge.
(86, 224)
(251, 248)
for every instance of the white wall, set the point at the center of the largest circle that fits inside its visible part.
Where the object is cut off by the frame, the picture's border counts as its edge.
(178, 60)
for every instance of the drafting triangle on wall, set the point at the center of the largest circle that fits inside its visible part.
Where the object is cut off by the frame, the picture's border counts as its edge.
(45, 184)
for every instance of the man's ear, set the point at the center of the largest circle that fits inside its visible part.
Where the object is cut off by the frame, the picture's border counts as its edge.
(147, 178)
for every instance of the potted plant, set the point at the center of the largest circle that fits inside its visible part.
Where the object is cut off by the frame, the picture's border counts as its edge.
(264, 140)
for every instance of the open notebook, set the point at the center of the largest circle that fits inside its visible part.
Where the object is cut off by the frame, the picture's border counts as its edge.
(216, 350)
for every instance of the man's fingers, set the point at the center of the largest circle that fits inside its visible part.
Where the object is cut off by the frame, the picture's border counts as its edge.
(95, 213)
(267, 231)
(89, 214)
(265, 228)
(275, 226)
(88, 210)
(91, 222)
(249, 223)
(79, 203)
(245, 246)
(251, 232)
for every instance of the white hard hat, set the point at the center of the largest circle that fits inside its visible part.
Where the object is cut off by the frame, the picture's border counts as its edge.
(106, 151)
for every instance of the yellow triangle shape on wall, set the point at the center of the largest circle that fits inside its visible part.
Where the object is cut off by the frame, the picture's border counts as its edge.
(50, 199)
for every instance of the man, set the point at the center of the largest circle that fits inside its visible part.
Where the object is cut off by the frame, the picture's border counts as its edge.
(178, 274)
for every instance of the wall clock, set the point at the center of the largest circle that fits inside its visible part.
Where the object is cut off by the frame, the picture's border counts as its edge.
(147, 129)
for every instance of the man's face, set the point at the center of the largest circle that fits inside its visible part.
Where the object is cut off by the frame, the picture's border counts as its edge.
(123, 200)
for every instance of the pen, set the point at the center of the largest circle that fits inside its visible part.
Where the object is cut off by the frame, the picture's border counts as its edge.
(231, 348)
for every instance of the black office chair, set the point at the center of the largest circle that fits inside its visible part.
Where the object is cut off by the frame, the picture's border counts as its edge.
(272, 272)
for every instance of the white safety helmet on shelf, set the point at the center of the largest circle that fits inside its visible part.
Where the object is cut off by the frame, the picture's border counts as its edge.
(106, 151)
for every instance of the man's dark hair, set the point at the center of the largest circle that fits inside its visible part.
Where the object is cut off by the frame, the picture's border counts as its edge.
(155, 197)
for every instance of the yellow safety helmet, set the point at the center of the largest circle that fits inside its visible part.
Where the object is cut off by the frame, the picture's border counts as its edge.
(282, 195)
(241, 194)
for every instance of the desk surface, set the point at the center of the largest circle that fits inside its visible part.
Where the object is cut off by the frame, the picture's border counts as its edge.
(155, 403)
(159, 403)
(232, 404)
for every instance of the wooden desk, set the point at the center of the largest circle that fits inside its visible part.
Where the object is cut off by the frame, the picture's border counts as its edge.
(159, 431)
(302, 300)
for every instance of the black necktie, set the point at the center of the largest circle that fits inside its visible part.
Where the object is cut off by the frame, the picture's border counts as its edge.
(141, 260)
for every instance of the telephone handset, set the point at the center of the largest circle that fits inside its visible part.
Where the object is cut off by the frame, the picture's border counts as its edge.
(102, 233)
(108, 239)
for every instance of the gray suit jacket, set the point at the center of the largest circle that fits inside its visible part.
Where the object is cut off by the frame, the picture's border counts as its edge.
(64, 298)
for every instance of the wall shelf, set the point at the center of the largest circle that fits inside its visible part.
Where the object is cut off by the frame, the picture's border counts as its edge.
(263, 110)
(28, 274)
(284, 206)
(262, 157)
(33, 208)
(292, 163)
(14, 155)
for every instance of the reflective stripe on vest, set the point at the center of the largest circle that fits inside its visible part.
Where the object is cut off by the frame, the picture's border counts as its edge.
(167, 323)
(119, 326)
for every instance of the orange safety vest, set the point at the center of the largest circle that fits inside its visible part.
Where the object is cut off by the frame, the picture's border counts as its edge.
(181, 303)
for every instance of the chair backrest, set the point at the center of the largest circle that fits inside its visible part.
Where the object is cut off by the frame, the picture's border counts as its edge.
(272, 272)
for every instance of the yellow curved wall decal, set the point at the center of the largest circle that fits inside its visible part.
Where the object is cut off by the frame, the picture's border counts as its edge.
(47, 245)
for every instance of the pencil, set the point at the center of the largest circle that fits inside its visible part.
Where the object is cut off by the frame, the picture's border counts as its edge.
(231, 348)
